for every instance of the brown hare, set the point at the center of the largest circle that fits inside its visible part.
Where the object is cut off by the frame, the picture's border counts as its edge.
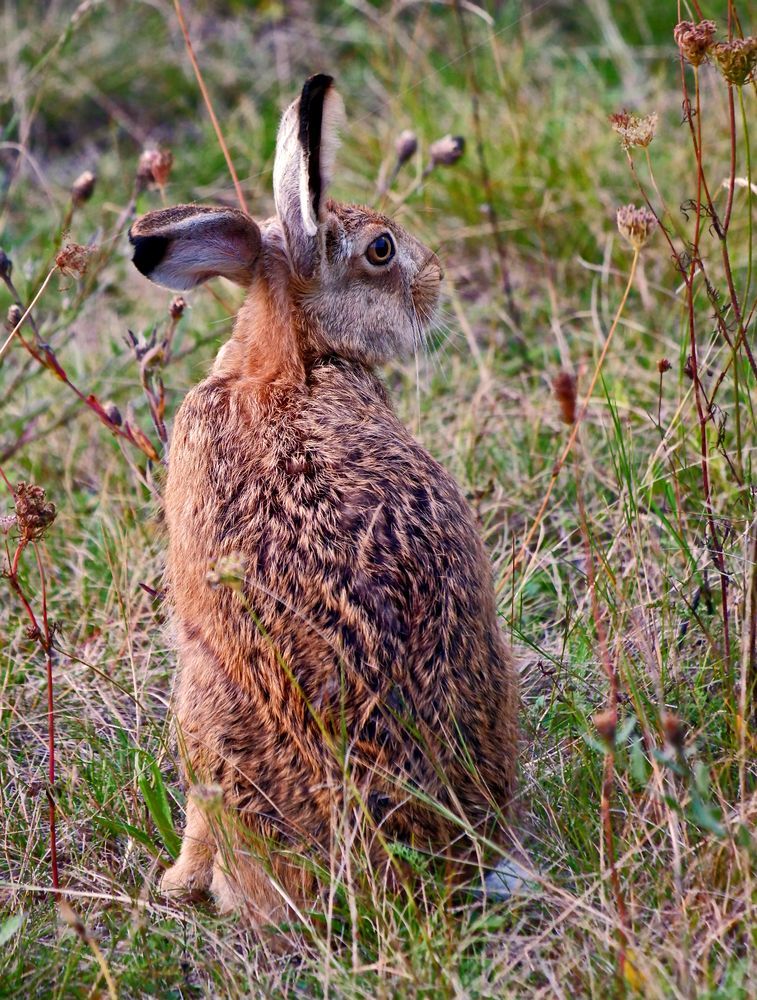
(357, 668)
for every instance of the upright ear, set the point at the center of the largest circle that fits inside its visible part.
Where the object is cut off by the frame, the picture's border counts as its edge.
(304, 165)
(183, 246)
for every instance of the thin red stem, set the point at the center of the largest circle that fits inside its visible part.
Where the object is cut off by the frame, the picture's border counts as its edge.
(44, 638)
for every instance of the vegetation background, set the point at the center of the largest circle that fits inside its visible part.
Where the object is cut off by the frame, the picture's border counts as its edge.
(632, 607)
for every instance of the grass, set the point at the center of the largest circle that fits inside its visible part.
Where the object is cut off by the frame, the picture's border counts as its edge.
(620, 588)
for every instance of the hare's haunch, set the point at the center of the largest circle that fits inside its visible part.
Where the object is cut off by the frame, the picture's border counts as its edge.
(347, 669)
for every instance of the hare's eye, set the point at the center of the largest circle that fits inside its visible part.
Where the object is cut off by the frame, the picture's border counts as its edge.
(381, 250)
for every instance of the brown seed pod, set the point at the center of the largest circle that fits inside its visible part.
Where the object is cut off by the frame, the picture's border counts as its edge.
(83, 187)
(564, 388)
(606, 724)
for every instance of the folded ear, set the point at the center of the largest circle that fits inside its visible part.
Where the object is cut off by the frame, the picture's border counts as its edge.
(183, 246)
(304, 165)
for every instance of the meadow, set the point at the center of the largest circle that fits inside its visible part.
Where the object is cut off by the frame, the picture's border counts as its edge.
(590, 385)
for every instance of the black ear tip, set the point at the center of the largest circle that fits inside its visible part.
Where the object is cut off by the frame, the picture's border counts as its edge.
(312, 101)
(316, 85)
(149, 251)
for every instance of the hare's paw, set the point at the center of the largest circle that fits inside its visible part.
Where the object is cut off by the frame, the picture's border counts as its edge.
(185, 880)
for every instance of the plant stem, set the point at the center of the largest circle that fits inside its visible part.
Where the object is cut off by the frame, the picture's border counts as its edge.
(209, 105)
(556, 468)
(747, 153)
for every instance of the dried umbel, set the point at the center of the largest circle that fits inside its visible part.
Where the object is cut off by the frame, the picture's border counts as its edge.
(694, 40)
(736, 60)
(406, 146)
(634, 130)
(227, 571)
(34, 514)
(564, 388)
(73, 259)
(663, 365)
(208, 798)
(636, 225)
(447, 150)
(83, 187)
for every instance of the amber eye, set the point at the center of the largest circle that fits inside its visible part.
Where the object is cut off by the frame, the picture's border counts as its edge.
(381, 250)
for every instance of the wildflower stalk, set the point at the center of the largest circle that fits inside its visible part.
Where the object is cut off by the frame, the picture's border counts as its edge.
(747, 714)
(606, 723)
(732, 171)
(209, 105)
(44, 637)
(46, 357)
(486, 183)
(78, 926)
(557, 467)
(726, 226)
(9, 339)
(703, 415)
(748, 157)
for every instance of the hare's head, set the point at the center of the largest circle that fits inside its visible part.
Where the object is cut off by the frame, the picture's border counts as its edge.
(354, 282)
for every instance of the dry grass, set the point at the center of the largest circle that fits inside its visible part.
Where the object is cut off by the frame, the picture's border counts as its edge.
(617, 604)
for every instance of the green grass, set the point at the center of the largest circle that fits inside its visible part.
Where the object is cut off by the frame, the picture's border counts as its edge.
(91, 94)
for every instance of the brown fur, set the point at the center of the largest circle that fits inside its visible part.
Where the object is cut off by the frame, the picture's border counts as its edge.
(359, 661)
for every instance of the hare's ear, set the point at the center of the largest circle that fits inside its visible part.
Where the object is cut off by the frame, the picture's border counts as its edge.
(182, 247)
(305, 153)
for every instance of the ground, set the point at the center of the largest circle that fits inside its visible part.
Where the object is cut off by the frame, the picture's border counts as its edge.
(629, 599)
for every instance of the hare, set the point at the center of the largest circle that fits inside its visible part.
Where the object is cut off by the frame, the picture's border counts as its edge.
(354, 667)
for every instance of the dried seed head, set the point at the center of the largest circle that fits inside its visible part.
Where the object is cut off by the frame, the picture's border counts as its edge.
(177, 307)
(694, 40)
(7, 522)
(13, 317)
(736, 60)
(406, 146)
(606, 723)
(634, 130)
(154, 167)
(673, 729)
(636, 225)
(564, 388)
(74, 921)
(228, 571)
(33, 513)
(208, 798)
(6, 265)
(83, 186)
(73, 259)
(447, 150)
(113, 413)
(663, 365)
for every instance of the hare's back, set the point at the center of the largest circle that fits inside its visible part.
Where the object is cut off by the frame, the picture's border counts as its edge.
(365, 582)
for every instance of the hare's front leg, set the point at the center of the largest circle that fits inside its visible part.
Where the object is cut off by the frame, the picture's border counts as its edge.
(193, 870)
(257, 881)
(192, 873)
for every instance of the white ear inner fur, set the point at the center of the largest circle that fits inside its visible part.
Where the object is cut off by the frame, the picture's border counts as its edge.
(309, 221)
(289, 152)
